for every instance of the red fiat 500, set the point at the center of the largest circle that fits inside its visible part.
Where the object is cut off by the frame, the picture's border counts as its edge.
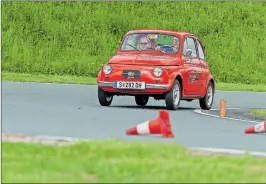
(165, 65)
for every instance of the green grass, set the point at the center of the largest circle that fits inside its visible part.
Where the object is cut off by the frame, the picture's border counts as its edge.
(6, 76)
(75, 38)
(114, 161)
(259, 112)
(19, 77)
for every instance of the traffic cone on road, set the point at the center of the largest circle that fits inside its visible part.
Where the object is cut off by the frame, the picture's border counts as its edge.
(258, 128)
(160, 125)
(222, 108)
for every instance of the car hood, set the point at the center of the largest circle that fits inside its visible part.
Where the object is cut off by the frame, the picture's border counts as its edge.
(144, 59)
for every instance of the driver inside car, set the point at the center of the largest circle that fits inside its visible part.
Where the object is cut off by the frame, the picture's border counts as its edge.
(144, 43)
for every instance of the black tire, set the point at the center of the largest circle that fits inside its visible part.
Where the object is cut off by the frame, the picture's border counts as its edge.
(170, 98)
(205, 102)
(104, 98)
(141, 100)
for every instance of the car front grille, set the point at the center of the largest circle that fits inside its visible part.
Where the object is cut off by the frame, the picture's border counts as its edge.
(134, 74)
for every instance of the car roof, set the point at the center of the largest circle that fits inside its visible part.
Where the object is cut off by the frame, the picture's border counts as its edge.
(180, 33)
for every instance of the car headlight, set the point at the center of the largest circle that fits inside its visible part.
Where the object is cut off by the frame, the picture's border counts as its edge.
(107, 69)
(158, 72)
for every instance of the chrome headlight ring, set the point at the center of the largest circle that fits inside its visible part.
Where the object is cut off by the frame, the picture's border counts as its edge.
(157, 71)
(107, 69)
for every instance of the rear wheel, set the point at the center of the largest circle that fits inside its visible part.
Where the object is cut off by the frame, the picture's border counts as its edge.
(141, 100)
(172, 98)
(104, 98)
(207, 101)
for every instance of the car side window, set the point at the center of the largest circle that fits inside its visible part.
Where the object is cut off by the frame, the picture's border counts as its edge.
(190, 44)
(201, 53)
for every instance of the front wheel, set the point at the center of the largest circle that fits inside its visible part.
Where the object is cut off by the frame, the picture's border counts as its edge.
(104, 98)
(172, 98)
(141, 100)
(207, 101)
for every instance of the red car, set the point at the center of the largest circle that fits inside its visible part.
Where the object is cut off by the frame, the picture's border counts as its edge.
(166, 65)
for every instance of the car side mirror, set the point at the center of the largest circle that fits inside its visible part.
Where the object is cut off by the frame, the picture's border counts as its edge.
(188, 53)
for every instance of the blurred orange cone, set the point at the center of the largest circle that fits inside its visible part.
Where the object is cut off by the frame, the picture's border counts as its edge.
(258, 128)
(160, 125)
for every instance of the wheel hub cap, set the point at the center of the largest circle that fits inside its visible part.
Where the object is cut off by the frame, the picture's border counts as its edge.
(209, 95)
(108, 98)
(176, 95)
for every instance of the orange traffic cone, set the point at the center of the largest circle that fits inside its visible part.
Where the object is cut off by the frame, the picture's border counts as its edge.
(160, 125)
(258, 128)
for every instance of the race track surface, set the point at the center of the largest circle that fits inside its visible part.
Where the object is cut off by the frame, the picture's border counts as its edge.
(73, 111)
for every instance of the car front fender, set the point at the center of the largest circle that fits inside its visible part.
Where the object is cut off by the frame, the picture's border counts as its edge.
(213, 81)
(210, 78)
(99, 76)
(173, 76)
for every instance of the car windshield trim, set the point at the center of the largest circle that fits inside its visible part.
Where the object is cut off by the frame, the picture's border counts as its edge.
(123, 43)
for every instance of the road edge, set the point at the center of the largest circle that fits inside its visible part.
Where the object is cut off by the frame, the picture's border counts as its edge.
(199, 111)
(204, 150)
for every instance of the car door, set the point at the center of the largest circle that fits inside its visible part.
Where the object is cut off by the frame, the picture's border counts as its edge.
(203, 64)
(192, 79)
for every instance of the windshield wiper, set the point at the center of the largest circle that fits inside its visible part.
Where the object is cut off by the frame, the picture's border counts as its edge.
(133, 47)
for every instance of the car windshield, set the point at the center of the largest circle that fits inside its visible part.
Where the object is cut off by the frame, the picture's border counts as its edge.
(151, 42)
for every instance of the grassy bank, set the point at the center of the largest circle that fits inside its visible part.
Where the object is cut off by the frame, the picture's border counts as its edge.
(113, 161)
(75, 38)
(16, 77)
(259, 112)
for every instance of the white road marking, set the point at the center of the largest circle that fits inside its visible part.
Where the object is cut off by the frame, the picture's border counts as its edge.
(228, 151)
(226, 108)
(216, 116)
(241, 91)
(58, 138)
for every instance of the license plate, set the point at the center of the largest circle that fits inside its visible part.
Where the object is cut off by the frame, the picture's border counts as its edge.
(129, 85)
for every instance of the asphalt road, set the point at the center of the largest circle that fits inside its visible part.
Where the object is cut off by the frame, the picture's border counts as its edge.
(74, 111)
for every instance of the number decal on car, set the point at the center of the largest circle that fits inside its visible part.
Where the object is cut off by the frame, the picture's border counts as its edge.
(193, 77)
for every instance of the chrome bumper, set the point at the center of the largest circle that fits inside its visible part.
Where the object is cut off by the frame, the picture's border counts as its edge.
(148, 86)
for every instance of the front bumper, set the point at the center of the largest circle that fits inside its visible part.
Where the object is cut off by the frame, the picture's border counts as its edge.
(148, 86)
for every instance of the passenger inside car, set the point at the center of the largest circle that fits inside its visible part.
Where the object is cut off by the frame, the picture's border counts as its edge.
(169, 49)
